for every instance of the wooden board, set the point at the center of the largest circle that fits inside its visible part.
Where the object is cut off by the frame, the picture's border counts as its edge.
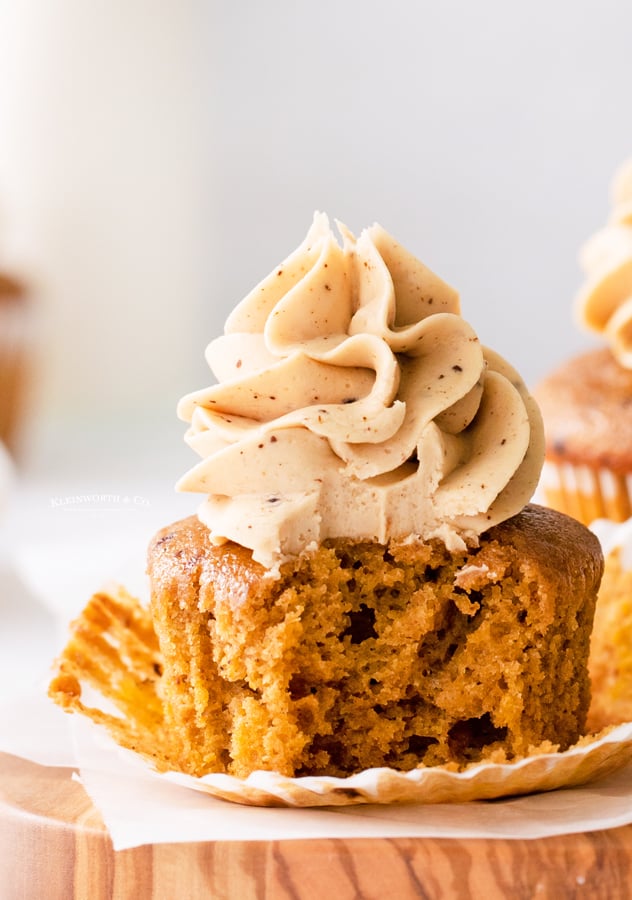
(53, 845)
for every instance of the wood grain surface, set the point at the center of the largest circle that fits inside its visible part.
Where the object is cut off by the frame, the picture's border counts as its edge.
(53, 846)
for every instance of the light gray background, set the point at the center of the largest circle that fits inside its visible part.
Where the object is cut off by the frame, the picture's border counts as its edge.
(156, 160)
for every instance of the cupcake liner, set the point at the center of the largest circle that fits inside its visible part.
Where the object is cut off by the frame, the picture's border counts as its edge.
(590, 759)
(586, 493)
(113, 652)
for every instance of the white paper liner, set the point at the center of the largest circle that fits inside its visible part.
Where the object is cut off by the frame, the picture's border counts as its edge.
(584, 492)
(589, 760)
(615, 535)
(140, 807)
(579, 479)
(540, 771)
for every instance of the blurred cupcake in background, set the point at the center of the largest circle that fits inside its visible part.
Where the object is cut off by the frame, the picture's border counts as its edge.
(15, 342)
(15, 353)
(6, 479)
(586, 405)
(610, 663)
(587, 402)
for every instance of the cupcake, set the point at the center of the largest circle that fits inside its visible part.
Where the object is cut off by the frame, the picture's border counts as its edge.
(362, 654)
(587, 402)
(14, 360)
(365, 584)
(610, 662)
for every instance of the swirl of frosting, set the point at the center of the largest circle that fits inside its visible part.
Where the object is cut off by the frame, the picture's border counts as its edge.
(604, 303)
(353, 400)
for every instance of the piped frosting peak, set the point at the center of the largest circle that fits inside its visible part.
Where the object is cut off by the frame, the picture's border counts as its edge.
(353, 400)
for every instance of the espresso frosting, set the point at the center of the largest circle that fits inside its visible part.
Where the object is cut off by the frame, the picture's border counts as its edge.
(604, 303)
(353, 400)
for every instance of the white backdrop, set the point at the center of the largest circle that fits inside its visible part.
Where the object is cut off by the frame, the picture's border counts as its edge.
(156, 160)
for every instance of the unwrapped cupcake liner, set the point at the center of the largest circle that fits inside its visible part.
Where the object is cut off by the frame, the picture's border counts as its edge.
(111, 669)
(591, 758)
(586, 493)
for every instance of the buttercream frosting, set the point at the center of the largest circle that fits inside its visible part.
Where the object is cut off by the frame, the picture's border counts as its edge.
(353, 400)
(604, 303)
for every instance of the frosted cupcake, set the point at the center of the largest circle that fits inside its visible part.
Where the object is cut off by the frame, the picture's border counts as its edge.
(365, 584)
(587, 402)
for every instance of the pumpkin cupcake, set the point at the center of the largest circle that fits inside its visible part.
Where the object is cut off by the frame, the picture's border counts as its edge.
(365, 584)
(587, 402)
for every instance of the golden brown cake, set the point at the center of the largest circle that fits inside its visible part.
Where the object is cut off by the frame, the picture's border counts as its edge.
(586, 405)
(363, 655)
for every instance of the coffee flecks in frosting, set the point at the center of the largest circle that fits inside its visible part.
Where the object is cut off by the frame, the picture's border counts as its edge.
(353, 400)
(604, 304)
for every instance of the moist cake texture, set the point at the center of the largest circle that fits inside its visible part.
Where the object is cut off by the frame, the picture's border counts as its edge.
(361, 654)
